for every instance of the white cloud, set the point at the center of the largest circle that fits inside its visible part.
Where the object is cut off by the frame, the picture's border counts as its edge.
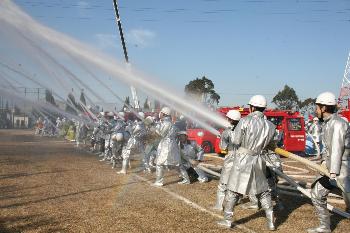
(140, 37)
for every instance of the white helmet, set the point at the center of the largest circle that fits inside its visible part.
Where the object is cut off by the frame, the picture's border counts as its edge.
(122, 114)
(148, 120)
(258, 101)
(182, 133)
(234, 115)
(326, 98)
(142, 115)
(166, 111)
(315, 119)
(182, 117)
(117, 137)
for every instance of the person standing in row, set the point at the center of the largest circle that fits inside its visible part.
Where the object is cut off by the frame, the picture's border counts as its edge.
(233, 116)
(335, 156)
(252, 135)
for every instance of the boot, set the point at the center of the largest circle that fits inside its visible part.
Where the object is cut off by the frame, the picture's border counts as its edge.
(270, 219)
(220, 196)
(103, 159)
(124, 166)
(231, 199)
(202, 178)
(325, 221)
(185, 177)
(159, 176)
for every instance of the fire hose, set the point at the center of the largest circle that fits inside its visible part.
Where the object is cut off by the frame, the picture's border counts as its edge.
(322, 170)
(290, 180)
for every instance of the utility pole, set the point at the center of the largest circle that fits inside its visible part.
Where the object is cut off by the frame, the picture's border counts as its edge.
(117, 18)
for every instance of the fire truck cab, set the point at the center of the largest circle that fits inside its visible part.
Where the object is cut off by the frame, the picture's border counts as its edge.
(289, 126)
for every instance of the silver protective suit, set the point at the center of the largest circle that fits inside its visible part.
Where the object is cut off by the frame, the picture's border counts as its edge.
(336, 156)
(190, 151)
(135, 143)
(168, 152)
(225, 144)
(252, 134)
(108, 131)
(151, 141)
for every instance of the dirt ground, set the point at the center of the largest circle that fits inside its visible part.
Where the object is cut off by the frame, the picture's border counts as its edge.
(47, 185)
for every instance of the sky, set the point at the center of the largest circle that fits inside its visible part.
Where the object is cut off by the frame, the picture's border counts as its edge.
(245, 47)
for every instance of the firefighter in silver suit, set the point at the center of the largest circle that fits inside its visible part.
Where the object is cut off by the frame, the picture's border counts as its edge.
(151, 143)
(191, 154)
(168, 153)
(336, 158)
(135, 143)
(233, 117)
(252, 135)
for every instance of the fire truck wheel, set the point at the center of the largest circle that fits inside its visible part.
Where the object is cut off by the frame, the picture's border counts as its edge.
(207, 147)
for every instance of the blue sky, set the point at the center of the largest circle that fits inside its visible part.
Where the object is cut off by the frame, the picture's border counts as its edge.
(245, 47)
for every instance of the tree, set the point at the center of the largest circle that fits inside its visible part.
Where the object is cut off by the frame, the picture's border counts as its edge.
(307, 107)
(49, 97)
(286, 99)
(202, 89)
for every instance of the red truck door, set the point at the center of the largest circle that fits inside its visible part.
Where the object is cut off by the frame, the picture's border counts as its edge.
(294, 134)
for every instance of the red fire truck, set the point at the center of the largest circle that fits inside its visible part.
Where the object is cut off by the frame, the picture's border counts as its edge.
(290, 126)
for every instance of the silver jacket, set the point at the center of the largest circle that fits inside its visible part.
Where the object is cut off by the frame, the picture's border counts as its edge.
(225, 141)
(138, 133)
(168, 152)
(190, 151)
(252, 135)
(336, 153)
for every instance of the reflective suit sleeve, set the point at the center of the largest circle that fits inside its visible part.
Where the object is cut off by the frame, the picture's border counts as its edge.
(199, 152)
(337, 150)
(224, 140)
(237, 134)
(164, 129)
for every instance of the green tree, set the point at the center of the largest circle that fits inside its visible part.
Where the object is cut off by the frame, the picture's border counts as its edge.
(307, 107)
(202, 89)
(286, 99)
